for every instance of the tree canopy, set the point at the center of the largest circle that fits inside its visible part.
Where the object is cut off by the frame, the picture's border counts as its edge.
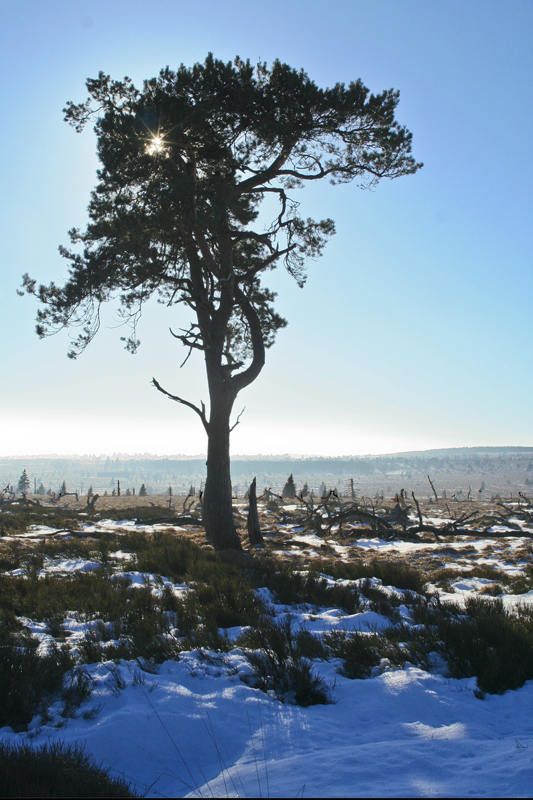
(185, 164)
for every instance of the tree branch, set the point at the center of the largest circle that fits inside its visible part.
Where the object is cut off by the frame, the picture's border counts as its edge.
(243, 379)
(237, 420)
(189, 339)
(267, 174)
(200, 412)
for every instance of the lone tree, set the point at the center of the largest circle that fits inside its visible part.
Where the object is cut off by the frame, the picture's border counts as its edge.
(186, 163)
(289, 490)
(23, 485)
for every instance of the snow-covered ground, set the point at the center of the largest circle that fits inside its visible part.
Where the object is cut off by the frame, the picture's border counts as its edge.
(198, 727)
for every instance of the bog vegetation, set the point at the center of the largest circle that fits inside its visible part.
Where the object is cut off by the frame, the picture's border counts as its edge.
(196, 599)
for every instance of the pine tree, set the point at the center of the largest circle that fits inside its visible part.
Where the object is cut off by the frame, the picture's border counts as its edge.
(305, 490)
(289, 490)
(41, 490)
(186, 162)
(23, 486)
(142, 491)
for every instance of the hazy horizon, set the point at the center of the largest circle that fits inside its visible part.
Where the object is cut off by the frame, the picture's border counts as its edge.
(261, 456)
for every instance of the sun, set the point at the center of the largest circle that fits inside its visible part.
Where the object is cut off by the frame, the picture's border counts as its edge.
(155, 146)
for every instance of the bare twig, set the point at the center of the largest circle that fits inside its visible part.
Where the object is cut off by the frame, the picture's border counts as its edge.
(237, 420)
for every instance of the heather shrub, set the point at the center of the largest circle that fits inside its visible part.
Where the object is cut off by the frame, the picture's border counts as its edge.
(276, 652)
(55, 770)
(29, 681)
(360, 652)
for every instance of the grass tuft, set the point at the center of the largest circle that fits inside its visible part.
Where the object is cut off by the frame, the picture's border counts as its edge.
(55, 770)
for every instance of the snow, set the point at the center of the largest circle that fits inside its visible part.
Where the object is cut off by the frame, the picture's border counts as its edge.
(196, 729)
(399, 546)
(199, 727)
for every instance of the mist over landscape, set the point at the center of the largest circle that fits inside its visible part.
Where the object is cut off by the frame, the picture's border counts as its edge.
(501, 470)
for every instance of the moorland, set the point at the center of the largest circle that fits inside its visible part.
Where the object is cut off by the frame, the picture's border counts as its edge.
(361, 631)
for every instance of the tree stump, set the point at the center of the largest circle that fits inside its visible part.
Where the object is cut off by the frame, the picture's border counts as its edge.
(254, 530)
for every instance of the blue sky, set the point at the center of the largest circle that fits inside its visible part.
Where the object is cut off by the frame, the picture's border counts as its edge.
(415, 327)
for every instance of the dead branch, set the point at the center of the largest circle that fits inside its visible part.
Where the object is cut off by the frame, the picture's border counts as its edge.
(237, 421)
(355, 514)
(417, 504)
(61, 495)
(190, 495)
(199, 411)
(183, 520)
(27, 501)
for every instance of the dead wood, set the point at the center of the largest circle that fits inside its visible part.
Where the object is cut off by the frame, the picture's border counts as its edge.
(92, 500)
(61, 495)
(417, 504)
(182, 520)
(432, 486)
(252, 525)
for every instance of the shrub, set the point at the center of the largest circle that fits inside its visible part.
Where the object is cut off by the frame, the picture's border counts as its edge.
(279, 664)
(359, 652)
(55, 770)
(226, 601)
(165, 553)
(29, 681)
(487, 641)
(381, 602)
(140, 629)
(77, 688)
(491, 644)
(291, 585)
(391, 573)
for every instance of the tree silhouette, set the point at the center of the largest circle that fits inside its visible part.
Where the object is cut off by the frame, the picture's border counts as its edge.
(23, 485)
(289, 490)
(186, 163)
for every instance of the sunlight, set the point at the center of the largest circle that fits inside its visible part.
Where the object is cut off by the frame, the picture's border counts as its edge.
(155, 146)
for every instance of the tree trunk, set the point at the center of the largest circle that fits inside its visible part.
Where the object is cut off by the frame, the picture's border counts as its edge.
(254, 529)
(217, 502)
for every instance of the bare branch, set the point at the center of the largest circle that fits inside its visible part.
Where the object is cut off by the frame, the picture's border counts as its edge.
(432, 486)
(200, 412)
(186, 358)
(188, 338)
(238, 420)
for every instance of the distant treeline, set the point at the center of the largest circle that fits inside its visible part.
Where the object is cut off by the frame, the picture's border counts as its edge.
(102, 473)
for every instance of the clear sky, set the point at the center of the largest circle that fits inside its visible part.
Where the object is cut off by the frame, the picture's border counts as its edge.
(415, 329)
